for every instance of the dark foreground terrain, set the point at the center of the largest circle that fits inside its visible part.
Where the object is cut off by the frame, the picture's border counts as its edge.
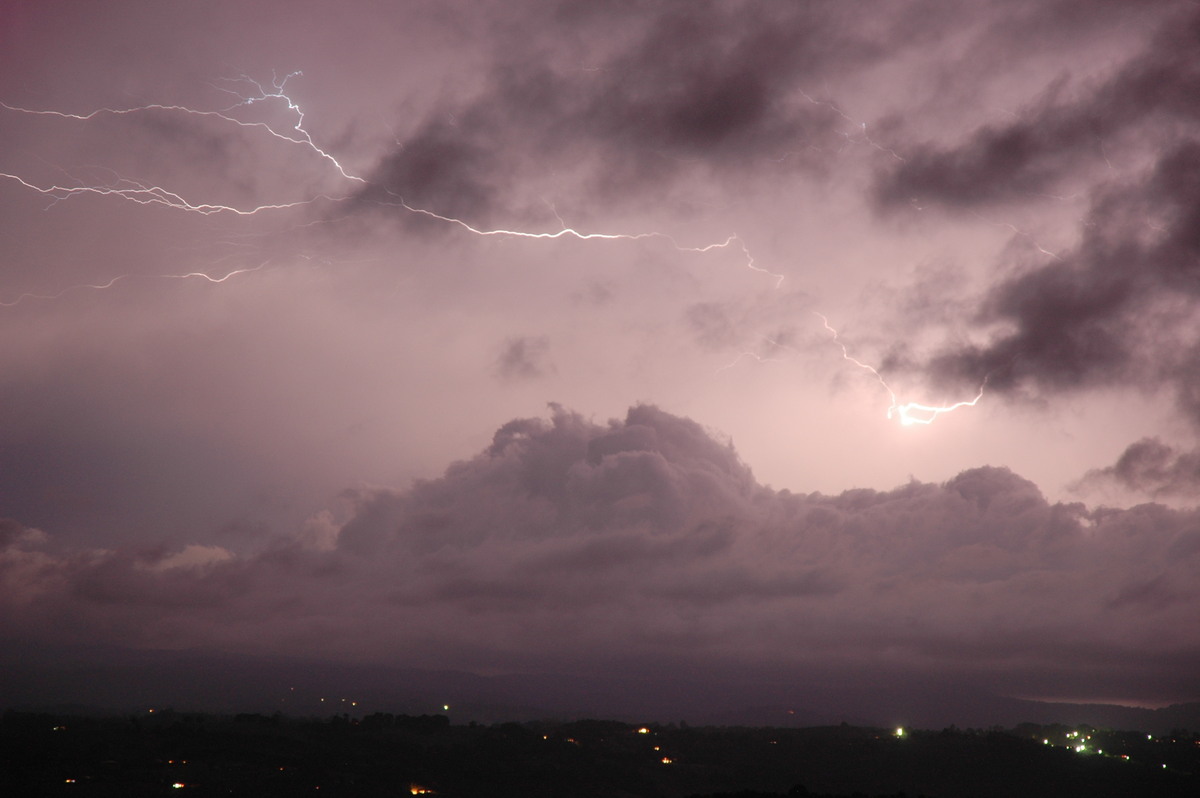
(169, 753)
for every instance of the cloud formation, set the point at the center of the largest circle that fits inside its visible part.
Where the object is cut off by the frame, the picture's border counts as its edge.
(1151, 467)
(568, 544)
(1062, 133)
(997, 193)
(1117, 307)
(653, 94)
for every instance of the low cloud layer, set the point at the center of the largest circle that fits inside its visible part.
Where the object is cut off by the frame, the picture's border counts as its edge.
(571, 545)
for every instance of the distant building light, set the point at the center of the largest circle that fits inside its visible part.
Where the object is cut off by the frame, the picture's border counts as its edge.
(900, 732)
(69, 781)
(643, 730)
(179, 785)
(666, 760)
(445, 707)
(1045, 742)
(417, 789)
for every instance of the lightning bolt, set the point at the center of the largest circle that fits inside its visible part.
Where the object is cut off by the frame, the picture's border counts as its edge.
(305, 138)
(908, 413)
(249, 93)
(99, 286)
(142, 194)
(276, 92)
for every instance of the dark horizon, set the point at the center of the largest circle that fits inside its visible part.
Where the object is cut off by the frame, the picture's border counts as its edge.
(107, 681)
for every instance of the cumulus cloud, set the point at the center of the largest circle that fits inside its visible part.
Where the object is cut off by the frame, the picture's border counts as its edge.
(567, 543)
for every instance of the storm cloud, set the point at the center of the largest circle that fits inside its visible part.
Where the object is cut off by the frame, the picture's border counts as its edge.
(271, 274)
(569, 543)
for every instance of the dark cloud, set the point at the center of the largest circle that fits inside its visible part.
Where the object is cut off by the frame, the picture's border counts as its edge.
(1063, 133)
(440, 168)
(1095, 316)
(1151, 467)
(648, 94)
(525, 358)
(569, 541)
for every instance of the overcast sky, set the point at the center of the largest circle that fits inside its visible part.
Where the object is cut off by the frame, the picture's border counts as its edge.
(533, 335)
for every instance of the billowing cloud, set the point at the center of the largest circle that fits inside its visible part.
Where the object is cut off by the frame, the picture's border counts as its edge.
(567, 544)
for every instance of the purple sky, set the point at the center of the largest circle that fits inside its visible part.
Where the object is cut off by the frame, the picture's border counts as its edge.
(263, 340)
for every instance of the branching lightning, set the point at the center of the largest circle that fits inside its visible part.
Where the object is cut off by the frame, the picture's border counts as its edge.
(99, 286)
(908, 413)
(569, 232)
(146, 194)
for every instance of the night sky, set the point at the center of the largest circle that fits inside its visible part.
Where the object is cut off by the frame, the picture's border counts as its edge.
(499, 336)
